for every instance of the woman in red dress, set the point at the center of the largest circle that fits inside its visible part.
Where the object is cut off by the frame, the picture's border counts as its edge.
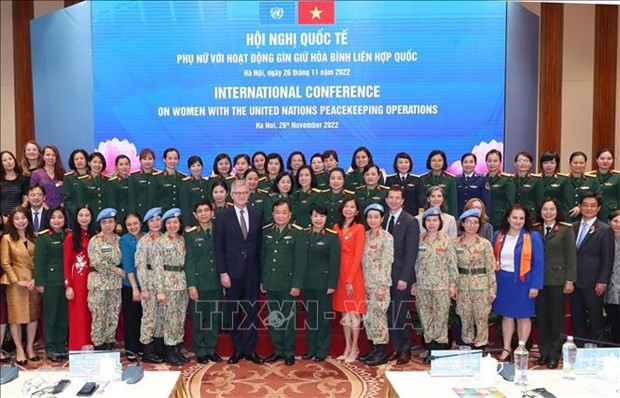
(76, 268)
(349, 297)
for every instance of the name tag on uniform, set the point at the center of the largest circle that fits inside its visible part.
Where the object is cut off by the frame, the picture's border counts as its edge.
(608, 184)
(142, 182)
(56, 242)
(269, 236)
(527, 186)
(422, 248)
(495, 185)
(169, 248)
(459, 250)
(167, 185)
(586, 188)
(199, 239)
(376, 198)
(320, 243)
(195, 189)
(411, 185)
(258, 201)
(106, 248)
(288, 237)
(474, 186)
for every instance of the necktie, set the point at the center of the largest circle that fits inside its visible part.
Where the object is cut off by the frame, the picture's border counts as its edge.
(582, 234)
(35, 224)
(467, 179)
(547, 230)
(244, 227)
(391, 224)
(403, 179)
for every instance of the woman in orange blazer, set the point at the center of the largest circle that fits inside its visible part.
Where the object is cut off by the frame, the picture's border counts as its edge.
(18, 264)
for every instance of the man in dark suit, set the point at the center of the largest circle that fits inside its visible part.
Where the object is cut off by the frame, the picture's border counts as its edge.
(35, 195)
(406, 232)
(237, 254)
(595, 245)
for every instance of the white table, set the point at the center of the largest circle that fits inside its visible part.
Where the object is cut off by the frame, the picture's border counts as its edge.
(155, 384)
(421, 384)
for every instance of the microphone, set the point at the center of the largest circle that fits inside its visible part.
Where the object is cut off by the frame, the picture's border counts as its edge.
(465, 353)
(8, 372)
(133, 373)
(563, 336)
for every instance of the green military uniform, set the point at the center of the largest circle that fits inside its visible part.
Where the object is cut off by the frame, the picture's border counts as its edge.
(353, 180)
(48, 272)
(560, 267)
(258, 200)
(265, 184)
(170, 280)
(217, 210)
(579, 186)
(435, 271)
(377, 262)
(322, 181)
(139, 192)
(69, 193)
(271, 199)
(94, 191)
(609, 191)
(557, 187)
(193, 190)
(165, 189)
(447, 182)
(119, 196)
(367, 196)
(332, 201)
(475, 284)
(302, 205)
(213, 179)
(284, 257)
(201, 273)
(529, 192)
(502, 197)
(321, 274)
(104, 288)
(152, 312)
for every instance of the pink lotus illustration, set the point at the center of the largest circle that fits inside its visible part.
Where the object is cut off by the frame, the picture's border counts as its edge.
(480, 151)
(112, 148)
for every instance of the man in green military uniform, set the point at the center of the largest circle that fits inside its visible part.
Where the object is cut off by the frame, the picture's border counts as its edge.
(49, 279)
(284, 258)
(203, 283)
(320, 282)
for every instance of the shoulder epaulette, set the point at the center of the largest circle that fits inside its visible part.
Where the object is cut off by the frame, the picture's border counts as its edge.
(563, 174)
(229, 204)
(589, 175)
(351, 172)
(156, 172)
(592, 173)
(297, 227)
(273, 194)
(384, 187)
(416, 175)
(566, 224)
(308, 229)
(390, 175)
(261, 190)
(68, 173)
(112, 178)
(84, 176)
(536, 175)
(326, 190)
(331, 231)
(190, 229)
(182, 175)
(425, 174)
(43, 232)
(316, 190)
(187, 178)
(263, 178)
(506, 174)
(537, 224)
(361, 187)
(450, 174)
(231, 177)
(268, 226)
(616, 171)
(348, 192)
(135, 172)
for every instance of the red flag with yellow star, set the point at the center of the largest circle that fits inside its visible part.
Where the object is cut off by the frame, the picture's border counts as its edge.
(315, 12)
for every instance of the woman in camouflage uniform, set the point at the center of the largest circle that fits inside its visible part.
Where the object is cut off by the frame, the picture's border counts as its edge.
(105, 281)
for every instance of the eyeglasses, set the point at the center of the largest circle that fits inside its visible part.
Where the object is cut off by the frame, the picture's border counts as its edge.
(471, 222)
(241, 193)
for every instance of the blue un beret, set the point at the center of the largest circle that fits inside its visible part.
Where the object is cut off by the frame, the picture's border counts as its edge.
(374, 206)
(154, 212)
(470, 213)
(174, 212)
(106, 213)
(432, 211)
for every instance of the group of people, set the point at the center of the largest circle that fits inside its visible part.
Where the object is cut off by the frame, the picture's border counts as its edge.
(145, 244)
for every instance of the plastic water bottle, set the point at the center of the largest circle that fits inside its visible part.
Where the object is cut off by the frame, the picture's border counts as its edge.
(521, 363)
(569, 357)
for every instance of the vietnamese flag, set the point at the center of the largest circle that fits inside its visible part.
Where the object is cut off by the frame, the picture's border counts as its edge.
(315, 12)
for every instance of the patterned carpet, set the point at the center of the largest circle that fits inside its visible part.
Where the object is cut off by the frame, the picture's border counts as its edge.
(331, 378)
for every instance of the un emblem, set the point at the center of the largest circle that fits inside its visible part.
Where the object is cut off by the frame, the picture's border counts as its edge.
(276, 12)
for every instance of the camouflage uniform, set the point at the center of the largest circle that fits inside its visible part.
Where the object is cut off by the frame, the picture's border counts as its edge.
(152, 317)
(377, 267)
(475, 284)
(435, 271)
(170, 280)
(104, 287)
